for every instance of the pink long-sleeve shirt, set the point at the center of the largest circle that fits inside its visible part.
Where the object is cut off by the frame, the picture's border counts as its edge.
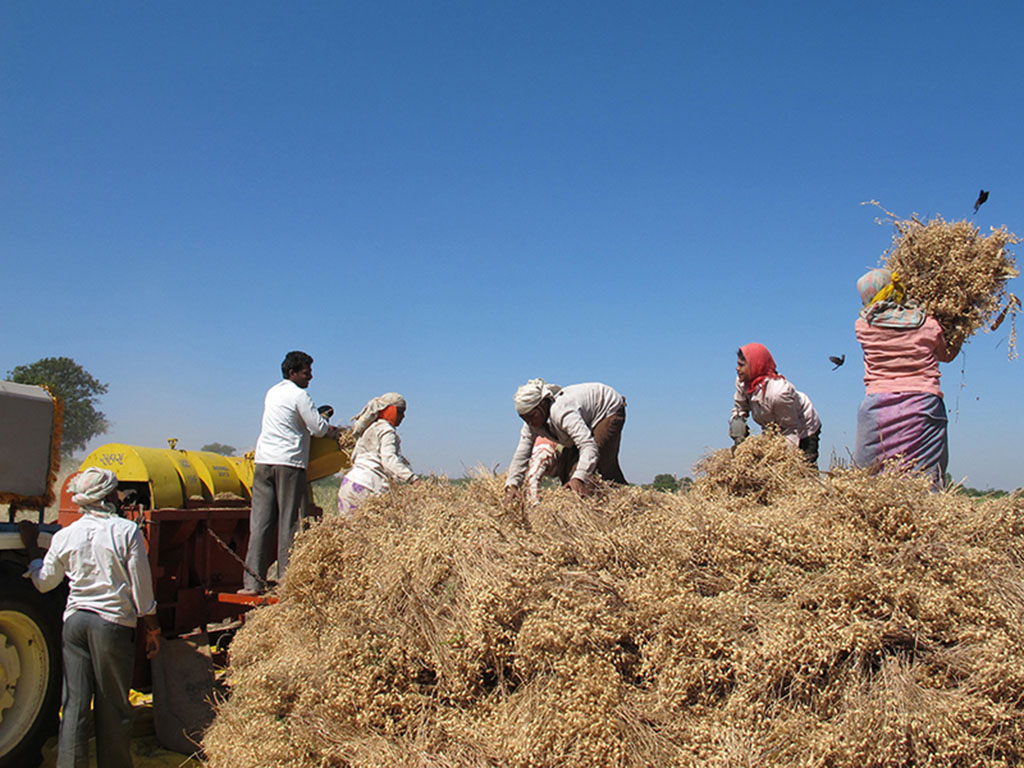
(903, 360)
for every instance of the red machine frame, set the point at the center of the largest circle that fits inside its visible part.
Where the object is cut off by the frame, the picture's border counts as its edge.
(196, 554)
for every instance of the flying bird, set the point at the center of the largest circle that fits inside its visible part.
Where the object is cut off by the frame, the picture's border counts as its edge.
(982, 197)
(837, 360)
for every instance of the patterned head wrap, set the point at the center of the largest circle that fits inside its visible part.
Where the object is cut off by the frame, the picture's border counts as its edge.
(543, 461)
(362, 421)
(878, 285)
(91, 487)
(532, 394)
(760, 366)
(885, 301)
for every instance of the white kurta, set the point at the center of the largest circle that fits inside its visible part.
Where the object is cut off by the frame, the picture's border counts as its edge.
(377, 458)
(778, 402)
(289, 418)
(104, 558)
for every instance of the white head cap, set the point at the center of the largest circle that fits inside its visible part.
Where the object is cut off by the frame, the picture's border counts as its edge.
(91, 487)
(532, 394)
(362, 421)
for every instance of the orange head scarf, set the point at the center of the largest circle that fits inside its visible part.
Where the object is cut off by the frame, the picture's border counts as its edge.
(389, 414)
(760, 366)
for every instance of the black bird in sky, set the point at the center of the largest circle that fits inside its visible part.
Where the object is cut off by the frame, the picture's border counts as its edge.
(837, 360)
(982, 197)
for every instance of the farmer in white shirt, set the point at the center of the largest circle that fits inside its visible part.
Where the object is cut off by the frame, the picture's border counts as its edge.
(279, 486)
(586, 419)
(111, 587)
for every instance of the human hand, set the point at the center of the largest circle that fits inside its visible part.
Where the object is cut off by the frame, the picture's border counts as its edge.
(152, 630)
(578, 485)
(738, 430)
(152, 644)
(511, 493)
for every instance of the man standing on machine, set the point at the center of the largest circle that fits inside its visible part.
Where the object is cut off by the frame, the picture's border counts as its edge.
(280, 491)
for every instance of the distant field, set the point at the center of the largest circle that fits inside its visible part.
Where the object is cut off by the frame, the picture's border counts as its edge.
(325, 493)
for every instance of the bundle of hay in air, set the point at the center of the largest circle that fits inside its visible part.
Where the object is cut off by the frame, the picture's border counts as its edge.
(957, 274)
(852, 621)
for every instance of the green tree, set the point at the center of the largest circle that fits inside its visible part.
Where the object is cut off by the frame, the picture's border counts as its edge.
(223, 450)
(665, 482)
(79, 392)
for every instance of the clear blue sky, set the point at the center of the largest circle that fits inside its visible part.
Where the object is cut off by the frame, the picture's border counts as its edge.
(446, 199)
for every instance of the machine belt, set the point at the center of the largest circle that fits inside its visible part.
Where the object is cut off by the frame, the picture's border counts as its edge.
(227, 548)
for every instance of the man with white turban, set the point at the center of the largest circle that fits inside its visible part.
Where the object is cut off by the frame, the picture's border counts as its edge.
(111, 587)
(586, 419)
(377, 457)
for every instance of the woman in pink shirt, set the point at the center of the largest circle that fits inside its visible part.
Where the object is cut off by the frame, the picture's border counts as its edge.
(903, 417)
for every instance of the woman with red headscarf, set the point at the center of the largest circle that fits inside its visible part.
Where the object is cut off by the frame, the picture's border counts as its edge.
(377, 457)
(764, 393)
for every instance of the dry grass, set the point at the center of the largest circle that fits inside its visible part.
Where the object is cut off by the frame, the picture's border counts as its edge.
(760, 471)
(955, 273)
(346, 440)
(844, 621)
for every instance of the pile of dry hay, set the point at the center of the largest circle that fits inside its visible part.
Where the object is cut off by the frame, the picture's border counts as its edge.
(955, 273)
(844, 621)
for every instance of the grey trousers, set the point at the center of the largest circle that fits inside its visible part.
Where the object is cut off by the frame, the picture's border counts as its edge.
(98, 660)
(280, 499)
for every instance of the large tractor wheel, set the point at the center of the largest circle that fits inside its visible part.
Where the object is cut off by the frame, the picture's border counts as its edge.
(30, 667)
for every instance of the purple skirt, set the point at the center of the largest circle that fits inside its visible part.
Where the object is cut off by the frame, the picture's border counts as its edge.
(909, 427)
(350, 496)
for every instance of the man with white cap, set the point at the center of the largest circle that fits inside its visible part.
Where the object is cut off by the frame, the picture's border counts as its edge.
(586, 419)
(111, 587)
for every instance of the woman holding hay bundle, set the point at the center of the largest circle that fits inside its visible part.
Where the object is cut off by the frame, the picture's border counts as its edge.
(763, 392)
(903, 415)
(955, 274)
(377, 457)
